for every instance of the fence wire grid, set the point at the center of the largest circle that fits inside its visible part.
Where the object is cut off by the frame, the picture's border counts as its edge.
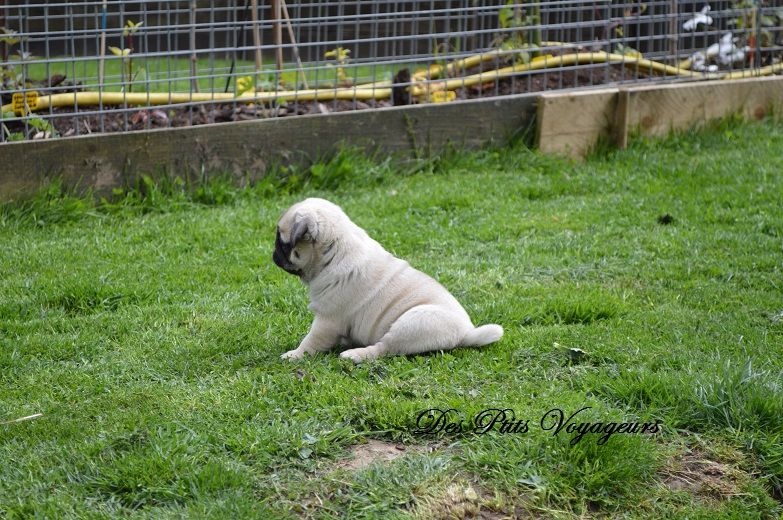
(75, 68)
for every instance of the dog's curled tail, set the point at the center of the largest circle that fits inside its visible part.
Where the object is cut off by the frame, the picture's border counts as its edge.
(483, 335)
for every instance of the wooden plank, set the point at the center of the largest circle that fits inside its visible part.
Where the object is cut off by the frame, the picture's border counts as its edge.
(572, 123)
(660, 109)
(568, 123)
(246, 149)
(620, 129)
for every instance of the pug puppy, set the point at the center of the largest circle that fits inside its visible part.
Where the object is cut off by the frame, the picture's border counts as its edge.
(364, 297)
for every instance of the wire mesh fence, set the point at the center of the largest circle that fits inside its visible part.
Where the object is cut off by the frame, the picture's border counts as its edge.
(75, 68)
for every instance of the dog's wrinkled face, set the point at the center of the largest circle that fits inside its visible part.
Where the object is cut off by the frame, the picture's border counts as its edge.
(295, 247)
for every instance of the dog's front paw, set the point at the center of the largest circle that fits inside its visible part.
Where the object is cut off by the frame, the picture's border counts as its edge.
(352, 355)
(357, 355)
(292, 355)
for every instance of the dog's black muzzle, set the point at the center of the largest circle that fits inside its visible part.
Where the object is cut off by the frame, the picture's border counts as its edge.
(281, 254)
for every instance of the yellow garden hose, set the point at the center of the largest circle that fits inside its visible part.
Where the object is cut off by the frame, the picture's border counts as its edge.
(164, 98)
(752, 73)
(547, 62)
(422, 84)
(435, 71)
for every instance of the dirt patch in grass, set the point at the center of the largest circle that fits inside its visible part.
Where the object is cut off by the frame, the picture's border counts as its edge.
(364, 455)
(461, 499)
(698, 474)
(466, 500)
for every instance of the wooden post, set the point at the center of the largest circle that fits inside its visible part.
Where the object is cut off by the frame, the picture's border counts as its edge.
(621, 116)
(573, 123)
(102, 59)
(3, 48)
(256, 35)
(292, 37)
(193, 55)
(277, 30)
(674, 29)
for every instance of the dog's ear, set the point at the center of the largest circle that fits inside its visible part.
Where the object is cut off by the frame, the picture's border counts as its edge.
(304, 228)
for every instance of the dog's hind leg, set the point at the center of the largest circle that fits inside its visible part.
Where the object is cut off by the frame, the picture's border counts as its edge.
(421, 329)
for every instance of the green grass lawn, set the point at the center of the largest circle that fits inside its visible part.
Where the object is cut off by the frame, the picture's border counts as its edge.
(147, 332)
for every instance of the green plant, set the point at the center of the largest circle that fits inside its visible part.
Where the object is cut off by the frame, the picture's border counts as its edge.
(442, 51)
(341, 58)
(248, 84)
(126, 53)
(515, 23)
(7, 39)
(44, 127)
(10, 79)
(761, 22)
(8, 134)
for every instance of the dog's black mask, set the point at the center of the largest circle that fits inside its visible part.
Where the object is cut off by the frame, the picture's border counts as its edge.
(282, 254)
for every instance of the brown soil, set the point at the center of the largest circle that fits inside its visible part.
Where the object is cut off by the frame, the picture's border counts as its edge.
(696, 473)
(363, 455)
